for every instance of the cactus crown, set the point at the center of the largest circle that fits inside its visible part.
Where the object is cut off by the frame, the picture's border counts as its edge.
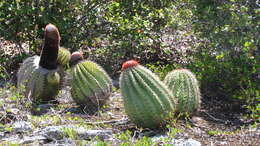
(49, 53)
(129, 64)
(76, 57)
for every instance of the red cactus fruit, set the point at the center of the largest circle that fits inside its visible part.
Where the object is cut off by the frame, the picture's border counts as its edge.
(128, 64)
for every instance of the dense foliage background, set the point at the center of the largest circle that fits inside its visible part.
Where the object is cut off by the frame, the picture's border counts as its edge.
(217, 39)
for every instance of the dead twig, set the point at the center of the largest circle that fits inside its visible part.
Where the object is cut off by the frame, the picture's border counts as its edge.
(216, 119)
(113, 122)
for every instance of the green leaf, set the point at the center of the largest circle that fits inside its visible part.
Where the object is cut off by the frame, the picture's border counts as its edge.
(220, 56)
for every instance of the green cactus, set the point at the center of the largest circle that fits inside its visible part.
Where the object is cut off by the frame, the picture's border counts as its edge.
(38, 74)
(63, 65)
(63, 56)
(90, 85)
(185, 88)
(147, 100)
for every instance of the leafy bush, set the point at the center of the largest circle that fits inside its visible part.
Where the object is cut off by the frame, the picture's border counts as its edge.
(135, 31)
(9, 60)
(228, 65)
(225, 58)
(147, 31)
(111, 31)
(24, 20)
(227, 74)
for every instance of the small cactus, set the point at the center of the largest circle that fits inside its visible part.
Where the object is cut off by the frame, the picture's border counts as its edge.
(38, 74)
(90, 85)
(63, 65)
(185, 88)
(147, 100)
(63, 56)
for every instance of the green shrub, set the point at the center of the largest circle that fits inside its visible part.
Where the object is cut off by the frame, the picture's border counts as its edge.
(140, 30)
(162, 69)
(226, 55)
(228, 64)
(73, 18)
(110, 31)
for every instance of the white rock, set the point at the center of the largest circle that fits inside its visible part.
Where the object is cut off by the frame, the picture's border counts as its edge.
(32, 139)
(176, 142)
(158, 138)
(12, 139)
(223, 143)
(188, 142)
(22, 126)
(57, 132)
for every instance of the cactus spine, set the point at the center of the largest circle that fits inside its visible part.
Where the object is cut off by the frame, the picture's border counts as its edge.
(91, 85)
(185, 88)
(146, 99)
(38, 74)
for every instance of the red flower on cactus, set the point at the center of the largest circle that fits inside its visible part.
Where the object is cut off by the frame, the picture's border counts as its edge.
(128, 64)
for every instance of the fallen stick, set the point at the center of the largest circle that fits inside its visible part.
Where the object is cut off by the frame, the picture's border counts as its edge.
(113, 122)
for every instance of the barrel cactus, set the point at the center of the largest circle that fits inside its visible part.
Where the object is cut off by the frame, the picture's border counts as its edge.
(63, 65)
(90, 84)
(185, 88)
(63, 56)
(38, 74)
(147, 100)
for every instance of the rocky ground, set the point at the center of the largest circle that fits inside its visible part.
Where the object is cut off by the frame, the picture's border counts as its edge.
(217, 123)
(67, 124)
